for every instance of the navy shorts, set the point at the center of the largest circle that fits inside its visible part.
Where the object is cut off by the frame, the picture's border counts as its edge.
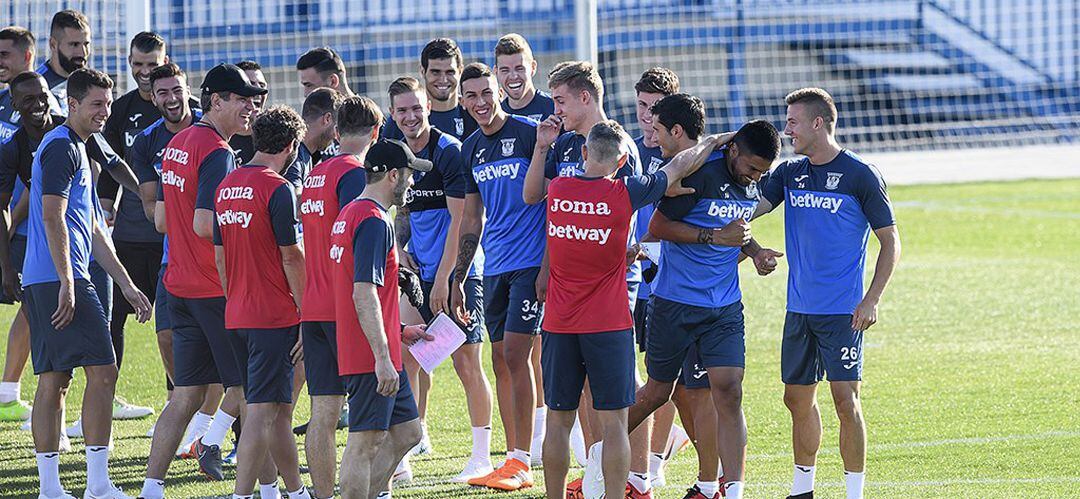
(510, 303)
(143, 264)
(641, 321)
(84, 342)
(818, 344)
(719, 334)
(693, 374)
(320, 358)
(103, 286)
(369, 411)
(202, 349)
(18, 254)
(606, 359)
(266, 368)
(474, 304)
(162, 322)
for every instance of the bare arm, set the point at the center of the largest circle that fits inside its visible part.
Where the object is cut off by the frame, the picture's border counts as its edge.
(159, 216)
(734, 234)
(439, 298)
(203, 223)
(292, 260)
(10, 281)
(535, 184)
(689, 161)
(148, 197)
(888, 256)
(123, 175)
(369, 313)
(472, 223)
(219, 262)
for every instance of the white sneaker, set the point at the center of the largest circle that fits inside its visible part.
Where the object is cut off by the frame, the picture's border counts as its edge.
(150, 432)
(592, 484)
(25, 426)
(657, 465)
(64, 495)
(474, 468)
(422, 448)
(403, 473)
(75, 430)
(577, 444)
(113, 493)
(124, 410)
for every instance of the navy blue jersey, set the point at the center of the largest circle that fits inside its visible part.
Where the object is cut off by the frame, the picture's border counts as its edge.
(61, 167)
(539, 108)
(9, 117)
(57, 85)
(828, 213)
(10, 155)
(495, 166)
(457, 122)
(296, 172)
(704, 275)
(651, 161)
(428, 217)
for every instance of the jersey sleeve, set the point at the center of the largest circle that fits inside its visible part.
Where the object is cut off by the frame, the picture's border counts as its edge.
(449, 165)
(350, 185)
(59, 163)
(298, 170)
(112, 133)
(874, 200)
(212, 170)
(9, 170)
(371, 247)
(551, 164)
(772, 188)
(282, 208)
(646, 189)
(140, 165)
(678, 207)
(466, 171)
(633, 161)
(99, 150)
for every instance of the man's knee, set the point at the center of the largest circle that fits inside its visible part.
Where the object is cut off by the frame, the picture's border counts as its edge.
(101, 375)
(726, 391)
(800, 399)
(655, 393)
(848, 405)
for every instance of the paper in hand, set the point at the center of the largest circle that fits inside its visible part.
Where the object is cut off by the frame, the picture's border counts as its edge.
(448, 337)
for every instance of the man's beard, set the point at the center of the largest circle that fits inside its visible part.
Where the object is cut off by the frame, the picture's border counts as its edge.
(70, 65)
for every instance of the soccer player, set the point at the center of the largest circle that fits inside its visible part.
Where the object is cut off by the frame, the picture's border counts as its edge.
(16, 55)
(493, 164)
(696, 298)
(432, 223)
(515, 68)
(193, 164)
(440, 68)
(383, 421)
(331, 185)
(322, 67)
(69, 49)
(832, 199)
(67, 325)
(242, 142)
(261, 265)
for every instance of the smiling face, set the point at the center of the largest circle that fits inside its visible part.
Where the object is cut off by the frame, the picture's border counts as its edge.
(515, 73)
(410, 112)
(645, 100)
(571, 105)
(804, 129)
(12, 60)
(142, 63)
(91, 113)
(233, 114)
(170, 96)
(668, 140)
(480, 96)
(71, 49)
(745, 166)
(441, 78)
(31, 99)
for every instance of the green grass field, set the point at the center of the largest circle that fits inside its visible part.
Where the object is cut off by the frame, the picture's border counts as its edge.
(971, 372)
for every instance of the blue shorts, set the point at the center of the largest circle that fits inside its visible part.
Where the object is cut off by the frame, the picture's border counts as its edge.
(606, 359)
(818, 344)
(369, 411)
(266, 368)
(84, 342)
(162, 322)
(510, 303)
(202, 349)
(320, 358)
(474, 304)
(18, 254)
(718, 333)
(103, 284)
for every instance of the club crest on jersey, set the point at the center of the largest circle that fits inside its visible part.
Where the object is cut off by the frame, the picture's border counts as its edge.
(751, 190)
(508, 147)
(833, 180)
(459, 126)
(654, 164)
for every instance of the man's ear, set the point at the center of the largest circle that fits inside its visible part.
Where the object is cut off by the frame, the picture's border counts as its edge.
(584, 153)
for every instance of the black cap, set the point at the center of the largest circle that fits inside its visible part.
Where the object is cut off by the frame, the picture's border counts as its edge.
(388, 153)
(229, 78)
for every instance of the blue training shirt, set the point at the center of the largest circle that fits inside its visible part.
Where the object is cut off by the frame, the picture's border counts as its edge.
(495, 166)
(828, 213)
(651, 161)
(539, 108)
(704, 275)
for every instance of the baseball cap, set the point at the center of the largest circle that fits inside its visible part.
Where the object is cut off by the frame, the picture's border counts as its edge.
(229, 78)
(388, 153)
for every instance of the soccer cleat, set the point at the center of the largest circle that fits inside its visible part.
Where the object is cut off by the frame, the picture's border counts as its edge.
(695, 493)
(482, 480)
(113, 493)
(209, 457)
(124, 410)
(677, 441)
(186, 451)
(514, 475)
(403, 473)
(16, 410)
(63, 495)
(300, 429)
(632, 493)
(804, 495)
(230, 459)
(423, 447)
(75, 430)
(573, 490)
(657, 465)
(475, 468)
(592, 484)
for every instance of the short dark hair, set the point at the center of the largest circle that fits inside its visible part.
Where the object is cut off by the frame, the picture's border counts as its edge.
(249, 65)
(441, 48)
(684, 110)
(818, 101)
(321, 101)
(759, 138)
(277, 127)
(658, 80)
(68, 18)
(358, 115)
(205, 98)
(323, 59)
(21, 38)
(475, 70)
(82, 79)
(24, 77)
(404, 85)
(513, 43)
(167, 70)
(147, 41)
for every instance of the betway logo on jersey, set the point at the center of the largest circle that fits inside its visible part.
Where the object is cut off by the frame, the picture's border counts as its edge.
(235, 193)
(580, 207)
(811, 200)
(177, 155)
(576, 233)
(174, 179)
(336, 252)
(310, 206)
(230, 217)
(730, 211)
(496, 171)
(314, 181)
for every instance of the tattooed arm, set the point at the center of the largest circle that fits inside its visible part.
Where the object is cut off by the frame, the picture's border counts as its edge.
(403, 232)
(472, 224)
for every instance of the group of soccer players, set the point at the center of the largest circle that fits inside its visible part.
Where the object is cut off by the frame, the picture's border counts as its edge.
(275, 247)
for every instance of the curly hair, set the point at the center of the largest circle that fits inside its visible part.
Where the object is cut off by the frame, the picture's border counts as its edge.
(277, 127)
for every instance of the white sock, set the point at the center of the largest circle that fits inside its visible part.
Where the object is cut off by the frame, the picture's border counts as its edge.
(153, 488)
(708, 489)
(481, 442)
(301, 493)
(199, 425)
(520, 455)
(383, 495)
(215, 435)
(640, 481)
(97, 469)
(733, 490)
(539, 423)
(238, 496)
(577, 442)
(48, 465)
(656, 463)
(802, 480)
(269, 491)
(854, 482)
(9, 391)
